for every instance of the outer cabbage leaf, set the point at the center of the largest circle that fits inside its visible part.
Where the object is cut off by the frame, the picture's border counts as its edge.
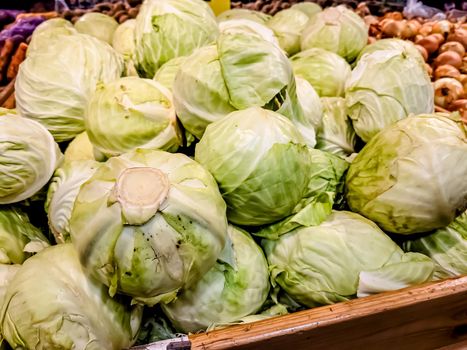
(123, 42)
(309, 8)
(336, 29)
(226, 293)
(331, 262)
(168, 71)
(148, 223)
(28, 158)
(247, 26)
(392, 44)
(260, 162)
(47, 32)
(53, 87)
(327, 72)
(80, 148)
(386, 86)
(69, 310)
(98, 25)
(132, 113)
(166, 29)
(410, 177)
(250, 15)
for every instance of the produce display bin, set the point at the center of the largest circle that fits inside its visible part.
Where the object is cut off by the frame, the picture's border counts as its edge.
(430, 316)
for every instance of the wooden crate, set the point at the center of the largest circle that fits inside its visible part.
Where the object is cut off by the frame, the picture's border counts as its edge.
(431, 316)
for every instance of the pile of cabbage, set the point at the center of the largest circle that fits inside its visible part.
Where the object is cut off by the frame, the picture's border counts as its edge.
(182, 172)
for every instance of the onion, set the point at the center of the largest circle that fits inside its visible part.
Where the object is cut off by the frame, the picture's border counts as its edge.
(449, 57)
(453, 46)
(459, 105)
(371, 20)
(391, 28)
(426, 29)
(371, 40)
(459, 35)
(439, 37)
(442, 27)
(394, 15)
(414, 26)
(463, 68)
(422, 51)
(430, 43)
(447, 90)
(447, 71)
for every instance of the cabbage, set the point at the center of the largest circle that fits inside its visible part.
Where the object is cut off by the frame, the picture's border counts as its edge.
(129, 113)
(411, 176)
(344, 257)
(242, 71)
(62, 193)
(19, 239)
(308, 8)
(336, 29)
(47, 32)
(28, 159)
(260, 162)
(53, 87)
(336, 134)
(324, 70)
(166, 29)
(148, 223)
(246, 26)
(310, 103)
(392, 44)
(288, 25)
(167, 73)
(255, 16)
(68, 311)
(124, 43)
(447, 246)
(7, 272)
(226, 293)
(80, 148)
(97, 25)
(384, 87)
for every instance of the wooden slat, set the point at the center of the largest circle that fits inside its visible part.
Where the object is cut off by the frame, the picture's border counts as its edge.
(423, 317)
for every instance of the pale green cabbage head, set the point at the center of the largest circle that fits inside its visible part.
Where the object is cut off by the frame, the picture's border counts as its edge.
(336, 134)
(447, 247)
(148, 223)
(251, 15)
(123, 42)
(53, 87)
(288, 26)
(29, 156)
(167, 73)
(260, 161)
(68, 311)
(132, 113)
(98, 25)
(166, 29)
(62, 194)
(344, 257)
(246, 26)
(47, 32)
(410, 177)
(309, 8)
(19, 239)
(336, 29)
(310, 104)
(80, 148)
(226, 293)
(384, 87)
(324, 70)
(392, 44)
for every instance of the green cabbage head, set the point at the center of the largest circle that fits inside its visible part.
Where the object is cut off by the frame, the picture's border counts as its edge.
(19, 239)
(123, 42)
(80, 148)
(247, 26)
(226, 293)
(410, 177)
(309, 8)
(392, 44)
(62, 194)
(48, 31)
(447, 247)
(324, 70)
(68, 311)
(166, 29)
(98, 25)
(256, 16)
(29, 156)
(148, 223)
(53, 86)
(346, 256)
(336, 29)
(132, 113)
(260, 162)
(384, 87)
(167, 73)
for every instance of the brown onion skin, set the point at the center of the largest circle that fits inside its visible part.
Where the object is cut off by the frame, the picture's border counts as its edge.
(439, 37)
(453, 46)
(447, 90)
(447, 71)
(391, 28)
(442, 27)
(459, 35)
(430, 44)
(422, 51)
(449, 57)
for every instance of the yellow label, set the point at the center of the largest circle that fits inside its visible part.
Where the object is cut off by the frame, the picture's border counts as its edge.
(219, 6)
